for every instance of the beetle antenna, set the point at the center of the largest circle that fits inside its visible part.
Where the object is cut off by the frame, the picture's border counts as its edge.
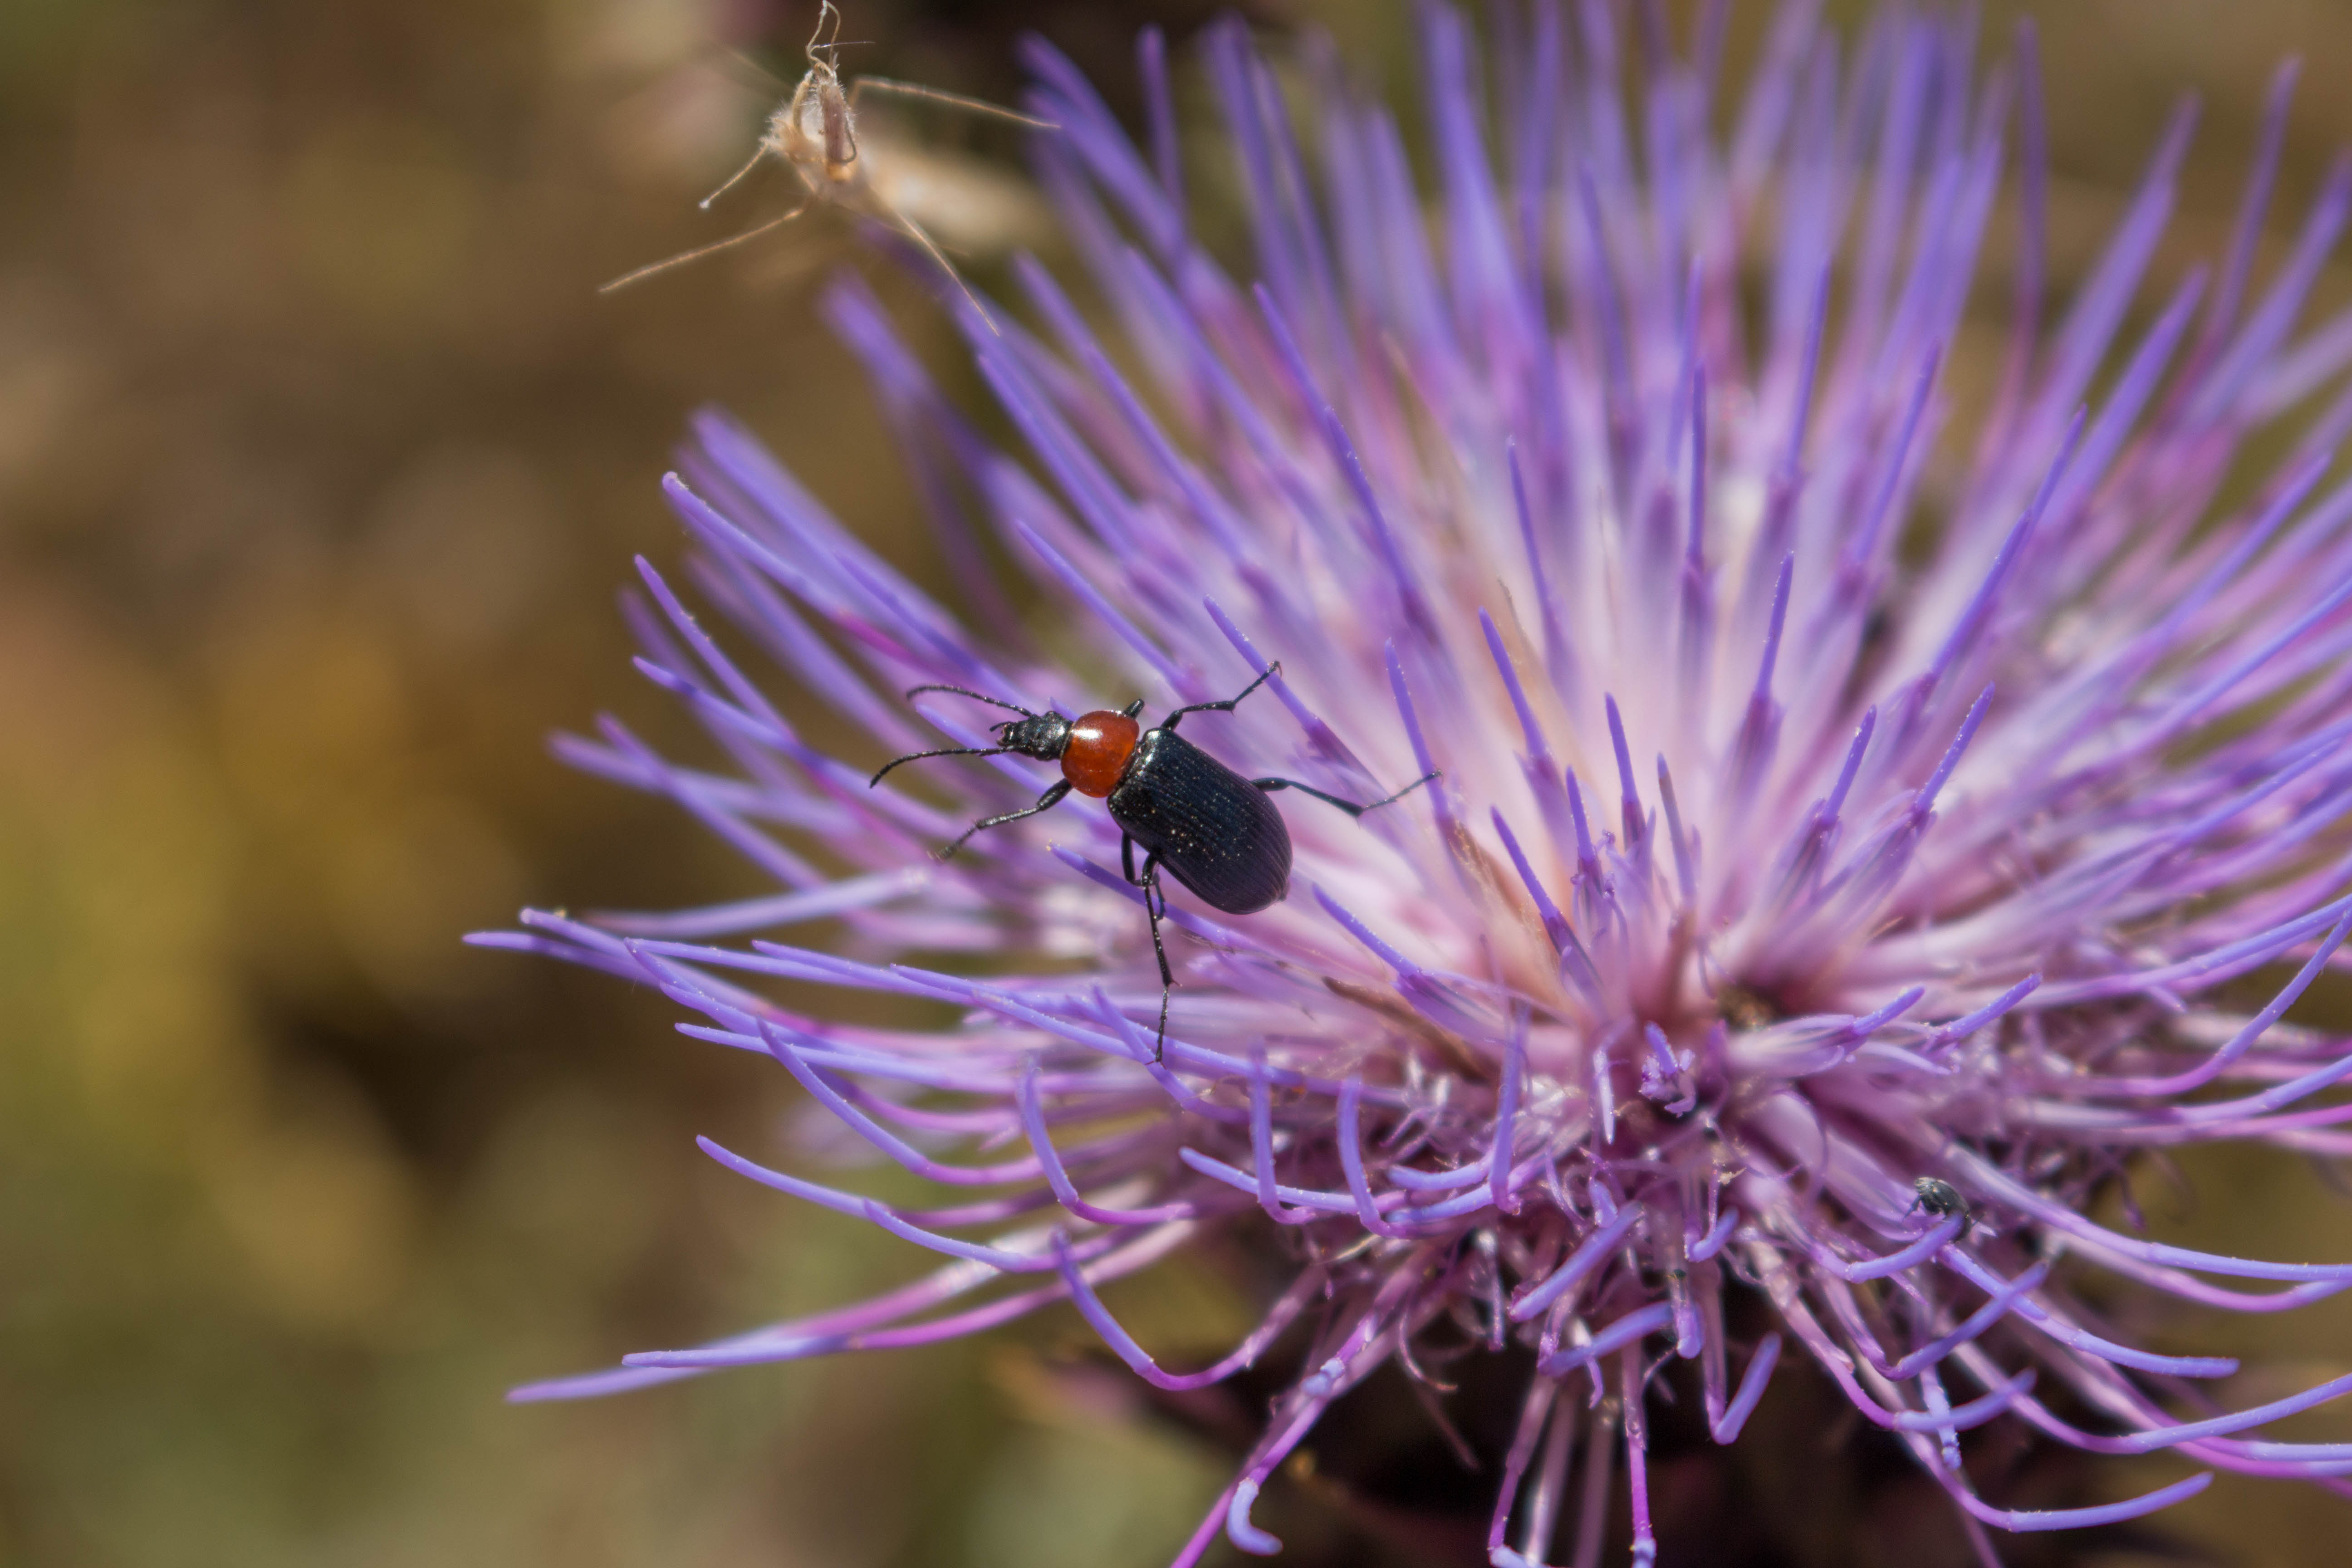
(944, 752)
(913, 691)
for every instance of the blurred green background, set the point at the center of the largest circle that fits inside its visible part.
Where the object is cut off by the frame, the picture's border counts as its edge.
(320, 462)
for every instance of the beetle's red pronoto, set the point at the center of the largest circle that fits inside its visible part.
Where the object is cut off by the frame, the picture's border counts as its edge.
(1099, 746)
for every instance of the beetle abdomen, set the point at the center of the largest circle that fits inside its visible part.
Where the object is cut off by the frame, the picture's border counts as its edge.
(1213, 829)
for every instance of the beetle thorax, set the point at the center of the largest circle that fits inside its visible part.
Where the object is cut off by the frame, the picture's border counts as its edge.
(1094, 757)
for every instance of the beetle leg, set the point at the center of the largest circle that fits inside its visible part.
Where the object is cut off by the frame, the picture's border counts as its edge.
(1155, 904)
(1229, 704)
(1349, 806)
(1046, 802)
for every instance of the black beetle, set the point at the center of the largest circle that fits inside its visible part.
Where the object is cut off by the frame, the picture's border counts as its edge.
(1208, 828)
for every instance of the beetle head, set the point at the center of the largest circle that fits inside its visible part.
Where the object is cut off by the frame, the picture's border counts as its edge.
(1043, 736)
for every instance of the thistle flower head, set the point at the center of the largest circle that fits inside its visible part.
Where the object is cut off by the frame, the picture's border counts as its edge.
(1845, 814)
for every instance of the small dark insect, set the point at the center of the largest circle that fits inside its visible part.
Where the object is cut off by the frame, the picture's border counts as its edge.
(1942, 1200)
(1205, 825)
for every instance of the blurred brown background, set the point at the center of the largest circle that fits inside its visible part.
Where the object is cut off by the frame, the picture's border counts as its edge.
(320, 462)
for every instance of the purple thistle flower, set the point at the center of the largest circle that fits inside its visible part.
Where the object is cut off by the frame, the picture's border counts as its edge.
(1799, 914)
